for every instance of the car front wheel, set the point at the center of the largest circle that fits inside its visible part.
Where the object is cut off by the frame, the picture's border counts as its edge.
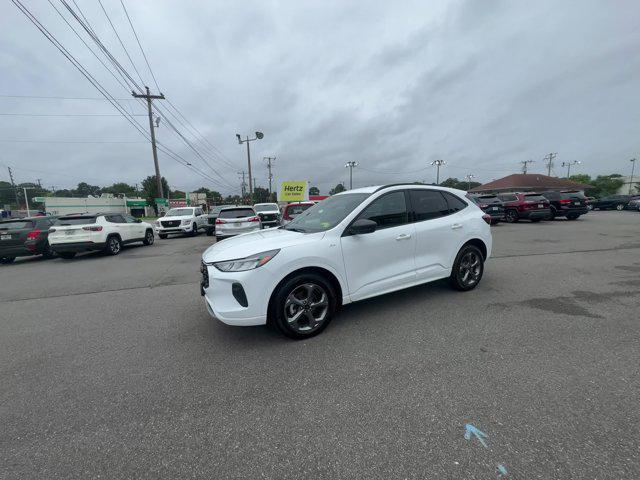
(303, 306)
(6, 260)
(620, 207)
(511, 216)
(114, 245)
(148, 238)
(467, 269)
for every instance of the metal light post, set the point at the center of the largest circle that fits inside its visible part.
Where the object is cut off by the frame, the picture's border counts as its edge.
(568, 165)
(438, 163)
(351, 166)
(468, 178)
(259, 136)
(633, 165)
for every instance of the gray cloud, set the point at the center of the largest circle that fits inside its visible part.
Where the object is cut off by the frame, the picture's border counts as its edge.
(482, 85)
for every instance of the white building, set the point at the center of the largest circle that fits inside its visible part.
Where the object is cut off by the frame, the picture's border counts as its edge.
(635, 186)
(103, 204)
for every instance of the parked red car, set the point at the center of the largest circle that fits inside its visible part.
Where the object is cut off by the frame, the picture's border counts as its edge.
(292, 210)
(531, 206)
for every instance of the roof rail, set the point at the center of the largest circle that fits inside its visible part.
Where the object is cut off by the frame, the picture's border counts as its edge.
(401, 184)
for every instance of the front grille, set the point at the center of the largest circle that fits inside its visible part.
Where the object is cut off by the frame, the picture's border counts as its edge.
(170, 223)
(268, 217)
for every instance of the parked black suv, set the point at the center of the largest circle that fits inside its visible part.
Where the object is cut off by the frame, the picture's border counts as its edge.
(24, 237)
(566, 204)
(491, 205)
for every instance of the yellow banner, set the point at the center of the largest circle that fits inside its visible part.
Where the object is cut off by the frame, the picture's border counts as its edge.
(294, 191)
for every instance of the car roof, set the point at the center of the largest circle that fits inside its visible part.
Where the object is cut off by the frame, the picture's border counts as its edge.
(266, 203)
(399, 186)
(235, 207)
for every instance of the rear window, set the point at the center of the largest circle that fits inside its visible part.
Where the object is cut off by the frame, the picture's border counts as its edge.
(570, 195)
(75, 220)
(489, 199)
(237, 213)
(16, 225)
(267, 207)
(297, 209)
(534, 197)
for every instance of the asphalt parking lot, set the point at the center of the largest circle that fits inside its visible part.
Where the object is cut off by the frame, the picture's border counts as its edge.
(111, 368)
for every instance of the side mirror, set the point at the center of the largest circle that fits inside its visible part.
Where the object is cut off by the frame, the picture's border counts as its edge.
(363, 226)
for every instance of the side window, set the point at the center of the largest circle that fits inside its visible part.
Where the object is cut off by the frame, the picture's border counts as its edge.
(129, 219)
(455, 204)
(115, 218)
(199, 211)
(387, 211)
(428, 204)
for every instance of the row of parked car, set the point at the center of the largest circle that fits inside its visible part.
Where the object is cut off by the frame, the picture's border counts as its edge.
(68, 235)
(511, 207)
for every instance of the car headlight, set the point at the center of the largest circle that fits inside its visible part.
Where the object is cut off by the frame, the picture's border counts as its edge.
(157, 223)
(186, 222)
(247, 263)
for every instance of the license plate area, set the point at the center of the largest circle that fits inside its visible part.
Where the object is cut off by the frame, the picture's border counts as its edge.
(5, 237)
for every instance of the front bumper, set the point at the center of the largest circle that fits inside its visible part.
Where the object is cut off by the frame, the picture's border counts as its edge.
(229, 232)
(77, 246)
(563, 212)
(216, 288)
(179, 229)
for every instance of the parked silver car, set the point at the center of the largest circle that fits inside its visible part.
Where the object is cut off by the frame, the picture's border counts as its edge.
(233, 221)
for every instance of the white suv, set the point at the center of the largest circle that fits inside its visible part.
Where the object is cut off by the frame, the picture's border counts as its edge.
(72, 234)
(182, 220)
(351, 246)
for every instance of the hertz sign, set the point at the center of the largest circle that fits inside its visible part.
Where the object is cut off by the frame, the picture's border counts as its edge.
(294, 191)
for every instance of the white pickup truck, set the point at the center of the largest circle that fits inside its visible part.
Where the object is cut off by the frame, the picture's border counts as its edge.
(181, 220)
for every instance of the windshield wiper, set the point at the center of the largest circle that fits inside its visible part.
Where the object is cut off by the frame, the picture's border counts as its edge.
(294, 229)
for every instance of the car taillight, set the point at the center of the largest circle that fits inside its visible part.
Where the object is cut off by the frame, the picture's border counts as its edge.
(254, 219)
(219, 221)
(487, 218)
(483, 205)
(565, 202)
(33, 234)
(97, 228)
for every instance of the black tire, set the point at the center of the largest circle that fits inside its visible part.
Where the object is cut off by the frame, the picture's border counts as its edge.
(194, 230)
(552, 214)
(7, 260)
(322, 292)
(67, 255)
(148, 238)
(465, 259)
(218, 239)
(209, 232)
(162, 235)
(47, 252)
(572, 216)
(113, 246)
(511, 216)
(620, 207)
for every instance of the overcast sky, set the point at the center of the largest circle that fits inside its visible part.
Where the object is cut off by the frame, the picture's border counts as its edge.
(482, 84)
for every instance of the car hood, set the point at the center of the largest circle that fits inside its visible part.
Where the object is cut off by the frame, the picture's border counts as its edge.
(181, 217)
(256, 242)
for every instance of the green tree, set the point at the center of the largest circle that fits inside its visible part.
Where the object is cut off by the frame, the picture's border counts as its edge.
(150, 190)
(62, 193)
(314, 191)
(84, 189)
(232, 200)
(581, 178)
(260, 195)
(178, 194)
(605, 185)
(7, 194)
(121, 187)
(337, 189)
(452, 182)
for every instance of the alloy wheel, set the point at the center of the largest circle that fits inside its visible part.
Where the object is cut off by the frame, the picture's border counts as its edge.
(306, 307)
(470, 269)
(114, 245)
(150, 238)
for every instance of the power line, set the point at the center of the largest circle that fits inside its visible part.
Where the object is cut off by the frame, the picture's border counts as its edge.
(67, 115)
(60, 98)
(70, 141)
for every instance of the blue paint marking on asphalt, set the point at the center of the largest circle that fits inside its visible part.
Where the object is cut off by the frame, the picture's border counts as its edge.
(471, 430)
(502, 471)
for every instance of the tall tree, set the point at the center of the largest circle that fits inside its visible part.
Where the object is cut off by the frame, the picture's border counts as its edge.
(314, 191)
(260, 195)
(121, 187)
(337, 189)
(604, 185)
(84, 189)
(150, 189)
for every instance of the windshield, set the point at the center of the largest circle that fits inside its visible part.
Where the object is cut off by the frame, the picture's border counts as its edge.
(16, 225)
(326, 214)
(266, 207)
(179, 212)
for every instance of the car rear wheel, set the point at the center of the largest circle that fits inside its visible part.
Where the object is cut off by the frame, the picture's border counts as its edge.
(209, 232)
(467, 269)
(303, 306)
(47, 252)
(6, 260)
(511, 216)
(114, 246)
(572, 216)
(552, 214)
(148, 238)
(67, 255)
(620, 207)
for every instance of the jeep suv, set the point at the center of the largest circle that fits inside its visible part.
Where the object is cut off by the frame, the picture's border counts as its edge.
(566, 204)
(72, 234)
(531, 206)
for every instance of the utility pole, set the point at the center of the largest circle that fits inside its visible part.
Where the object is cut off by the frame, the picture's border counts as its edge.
(259, 136)
(468, 178)
(633, 166)
(13, 184)
(549, 159)
(150, 97)
(438, 164)
(524, 165)
(351, 166)
(270, 162)
(568, 165)
(26, 201)
(243, 185)
(39, 183)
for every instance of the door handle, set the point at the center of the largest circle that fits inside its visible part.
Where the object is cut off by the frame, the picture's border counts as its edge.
(456, 226)
(403, 236)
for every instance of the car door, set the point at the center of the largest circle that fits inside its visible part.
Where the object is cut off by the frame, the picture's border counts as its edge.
(137, 228)
(200, 218)
(439, 230)
(123, 228)
(381, 261)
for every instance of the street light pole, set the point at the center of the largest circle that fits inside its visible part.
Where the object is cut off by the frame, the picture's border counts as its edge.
(568, 165)
(438, 163)
(351, 166)
(259, 136)
(633, 165)
(468, 178)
